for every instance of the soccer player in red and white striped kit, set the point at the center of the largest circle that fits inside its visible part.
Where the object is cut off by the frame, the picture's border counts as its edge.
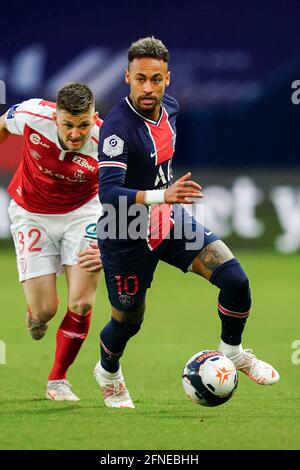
(53, 212)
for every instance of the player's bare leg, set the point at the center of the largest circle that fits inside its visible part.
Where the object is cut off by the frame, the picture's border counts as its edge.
(82, 289)
(211, 257)
(217, 264)
(41, 296)
(73, 330)
(113, 339)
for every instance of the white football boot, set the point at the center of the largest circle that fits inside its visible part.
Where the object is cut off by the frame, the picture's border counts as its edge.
(258, 371)
(60, 390)
(113, 388)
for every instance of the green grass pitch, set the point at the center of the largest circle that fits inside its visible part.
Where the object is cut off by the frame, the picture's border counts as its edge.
(181, 319)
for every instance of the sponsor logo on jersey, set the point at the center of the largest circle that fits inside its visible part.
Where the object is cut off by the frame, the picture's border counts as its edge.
(160, 178)
(113, 146)
(152, 154)
(173, 141)
(78, 178)
(90, 231)
(84, 163)
(36, 140)
(35, 154)
(12, 111)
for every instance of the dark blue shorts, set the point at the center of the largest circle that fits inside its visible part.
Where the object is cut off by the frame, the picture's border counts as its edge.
(129, 266)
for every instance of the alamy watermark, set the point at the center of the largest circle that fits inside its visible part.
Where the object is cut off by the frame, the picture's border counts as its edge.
(295, 97)
(2, 352)
(295, 357)
(152, 224)
(2, 92)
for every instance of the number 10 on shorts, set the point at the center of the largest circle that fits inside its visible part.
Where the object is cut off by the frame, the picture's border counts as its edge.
(127, 284)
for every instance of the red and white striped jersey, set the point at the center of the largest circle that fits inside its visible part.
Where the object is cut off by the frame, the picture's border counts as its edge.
(50, 180)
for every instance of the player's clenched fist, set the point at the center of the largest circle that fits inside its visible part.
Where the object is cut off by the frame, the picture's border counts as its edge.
(182, 190)
(90, 259)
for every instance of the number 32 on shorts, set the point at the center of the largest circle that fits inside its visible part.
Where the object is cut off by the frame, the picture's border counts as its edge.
(30, 238)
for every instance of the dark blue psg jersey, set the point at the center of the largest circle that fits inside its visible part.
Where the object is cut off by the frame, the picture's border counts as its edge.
(135, 154)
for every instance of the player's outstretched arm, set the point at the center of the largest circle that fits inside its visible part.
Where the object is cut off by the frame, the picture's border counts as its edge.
(90, 259)
(179, 192)
(4, 133)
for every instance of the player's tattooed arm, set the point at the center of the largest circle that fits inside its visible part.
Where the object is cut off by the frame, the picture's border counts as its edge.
(210, 257)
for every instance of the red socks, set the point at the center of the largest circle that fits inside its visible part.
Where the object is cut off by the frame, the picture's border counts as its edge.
(72, 332)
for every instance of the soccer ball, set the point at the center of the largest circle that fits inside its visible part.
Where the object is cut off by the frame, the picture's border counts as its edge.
(209, 378)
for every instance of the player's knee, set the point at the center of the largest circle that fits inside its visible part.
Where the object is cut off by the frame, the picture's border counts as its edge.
(134, 316)
(44, 313)
(231, 277)
(237, 280)
(81, 307)
(44, 309)
(123, 330)
(234, 287)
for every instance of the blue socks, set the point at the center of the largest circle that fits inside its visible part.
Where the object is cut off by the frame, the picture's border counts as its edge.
(113, 339)
(234, 300)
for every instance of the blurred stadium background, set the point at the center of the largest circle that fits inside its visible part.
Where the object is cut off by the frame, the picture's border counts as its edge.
(234, 70)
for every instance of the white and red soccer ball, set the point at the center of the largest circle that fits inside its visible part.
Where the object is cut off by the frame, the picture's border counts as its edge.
(209, 378)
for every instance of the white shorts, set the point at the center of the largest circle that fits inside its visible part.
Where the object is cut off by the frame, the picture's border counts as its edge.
(44, 243)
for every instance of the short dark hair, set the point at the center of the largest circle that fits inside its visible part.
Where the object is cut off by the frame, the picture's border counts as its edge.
(148, 47)
(75, 98)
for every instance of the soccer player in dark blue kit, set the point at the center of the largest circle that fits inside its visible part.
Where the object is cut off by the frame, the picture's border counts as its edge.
(136, 147)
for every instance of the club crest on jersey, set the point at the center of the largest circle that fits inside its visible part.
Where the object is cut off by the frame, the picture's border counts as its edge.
(79, 175)
(22, 265)
(113, 146)
(126, 299)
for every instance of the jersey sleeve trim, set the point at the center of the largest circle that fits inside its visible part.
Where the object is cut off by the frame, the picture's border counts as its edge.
(34, 114)
(112, 164)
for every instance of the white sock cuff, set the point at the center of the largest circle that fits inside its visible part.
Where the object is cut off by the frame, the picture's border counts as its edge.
(230, 350)
(109, 375)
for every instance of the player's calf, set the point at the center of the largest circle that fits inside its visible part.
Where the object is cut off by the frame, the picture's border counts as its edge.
(113, 340)
(37, 325)
(36, 328)
(234, 300)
